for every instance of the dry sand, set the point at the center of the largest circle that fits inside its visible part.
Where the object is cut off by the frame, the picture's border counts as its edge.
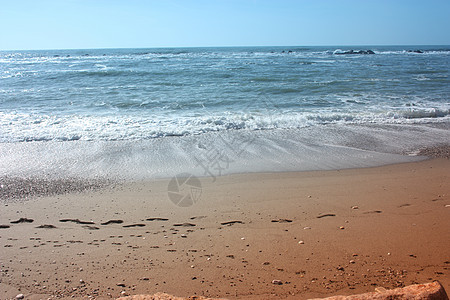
(298, 235)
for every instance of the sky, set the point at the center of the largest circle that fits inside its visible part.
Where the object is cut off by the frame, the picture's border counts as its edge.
(85, 24)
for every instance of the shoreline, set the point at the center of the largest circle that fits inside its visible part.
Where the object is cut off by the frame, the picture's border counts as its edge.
(320, 233)
(14, 188)
(328, 147)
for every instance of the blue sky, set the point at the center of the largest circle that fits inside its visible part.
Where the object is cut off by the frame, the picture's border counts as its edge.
(80, 24)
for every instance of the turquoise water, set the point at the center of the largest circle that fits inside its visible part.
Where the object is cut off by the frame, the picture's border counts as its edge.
(146, 93)
(141, 113)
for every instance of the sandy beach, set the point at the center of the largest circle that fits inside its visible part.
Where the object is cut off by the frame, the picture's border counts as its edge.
(248, 236)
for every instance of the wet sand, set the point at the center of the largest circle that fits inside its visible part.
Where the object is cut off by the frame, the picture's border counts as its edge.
(249, 236)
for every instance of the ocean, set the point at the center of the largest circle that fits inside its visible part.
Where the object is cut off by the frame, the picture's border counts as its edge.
(153, 113)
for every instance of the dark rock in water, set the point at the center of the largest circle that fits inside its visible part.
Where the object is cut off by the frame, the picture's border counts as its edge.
(415, 51)
(22, 220)
(350, 52)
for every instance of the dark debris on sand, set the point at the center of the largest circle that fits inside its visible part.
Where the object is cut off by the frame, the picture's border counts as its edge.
(442, 151)
(14, 188)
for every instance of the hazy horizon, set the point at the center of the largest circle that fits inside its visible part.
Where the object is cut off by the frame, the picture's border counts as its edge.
(224, 47)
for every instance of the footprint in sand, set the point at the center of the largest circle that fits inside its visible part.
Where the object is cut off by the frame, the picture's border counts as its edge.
(91, 227)
(197, 217)
(282, 221)
(22, 220)
(133, 225)
(325, 215)
(184, 225)
(46, 226)
(232, 223)
(76, 221)
(112, 222)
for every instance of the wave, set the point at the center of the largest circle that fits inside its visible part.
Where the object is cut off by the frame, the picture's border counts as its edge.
(100, 56)
(28, 127)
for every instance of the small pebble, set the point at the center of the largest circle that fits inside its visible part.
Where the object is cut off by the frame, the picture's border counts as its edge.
(342, 227)
(278, 282)
(355, 207)
(352, 261)
(306, 227)
(20, 296)
(301, 242)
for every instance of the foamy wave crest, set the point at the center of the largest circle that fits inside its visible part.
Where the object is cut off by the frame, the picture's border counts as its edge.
(20, 127)
(420, 113)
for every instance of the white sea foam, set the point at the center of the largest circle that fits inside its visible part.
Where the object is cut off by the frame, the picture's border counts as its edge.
(19, 127)
(220, 153)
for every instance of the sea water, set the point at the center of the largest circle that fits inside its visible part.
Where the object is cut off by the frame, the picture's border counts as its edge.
(149, 113)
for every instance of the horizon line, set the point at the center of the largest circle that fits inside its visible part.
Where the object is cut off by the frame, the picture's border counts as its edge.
(260, 46)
